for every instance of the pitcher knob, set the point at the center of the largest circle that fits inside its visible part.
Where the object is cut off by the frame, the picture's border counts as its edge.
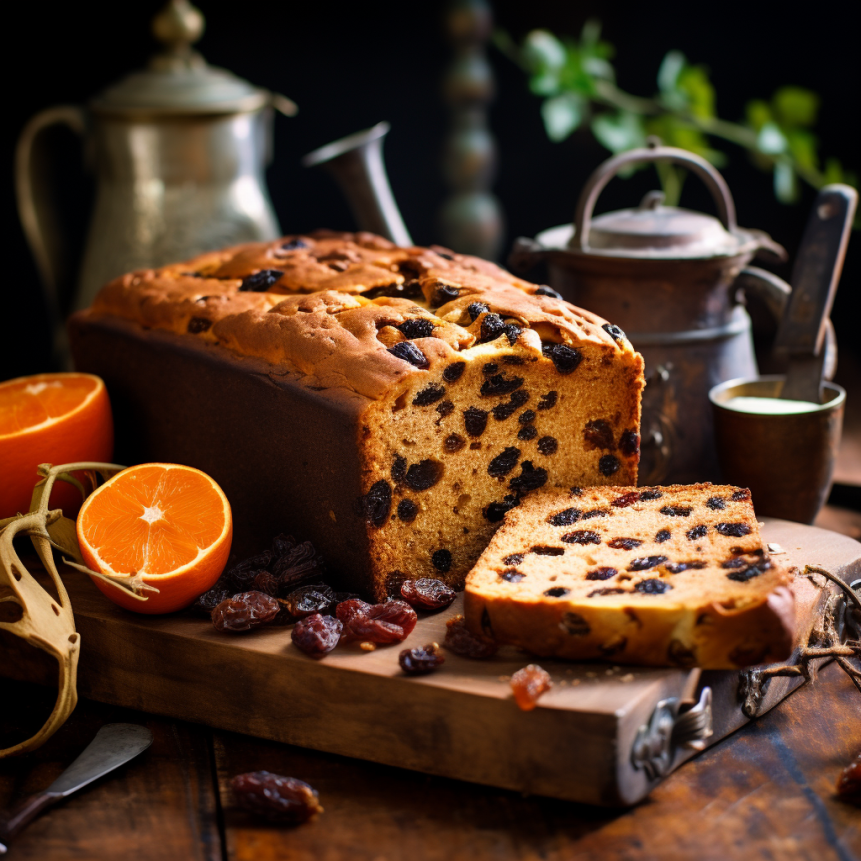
(178, 26)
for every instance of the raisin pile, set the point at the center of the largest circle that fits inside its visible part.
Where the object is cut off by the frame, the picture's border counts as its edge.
(421, 661)
(277, 798)
(528, 684)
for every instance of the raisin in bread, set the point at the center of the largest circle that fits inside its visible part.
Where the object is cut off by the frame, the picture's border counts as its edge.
(656, 576)
(390, 404)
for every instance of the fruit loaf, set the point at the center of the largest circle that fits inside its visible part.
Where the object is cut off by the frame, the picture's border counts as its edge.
(390, 404)
(659, 576)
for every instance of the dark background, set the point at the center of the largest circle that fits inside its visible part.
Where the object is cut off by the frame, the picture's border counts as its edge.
(349, 67)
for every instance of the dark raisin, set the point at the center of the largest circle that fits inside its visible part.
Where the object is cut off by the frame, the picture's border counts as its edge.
(733, 530)
(476, 309)
(242, 577)
(629, 443)
(443, 293)
(462, 642)
(575, 624)
(541, 550)
(741, 495)
(530, 478)
(745, 574)
(646, 495)
(446, 408)
(282, 544)
(678, 567)
(293, 245)
(646, 562)
(613, 331)
(407, 510)
(444, 255)
(316, 635)
(512, 332)
(453, 443)
(556, 592)
(421, 476)
(662, 536)
(421, 660)
(245, 611)
(697, 532)
(681, 655)
(624, 543)
(353, 607)
(565, 358)
(512, 360)
(208, 601)
(441, 560)
(497, 510)
(427, 593)
(548, 445)
(267, 582)
(416, 328)
(715, 503)
(606, 590)
(528, 684)
(409, 352)
(626, 499)
(198, 324)
(491, 328)
(386, 623)
(652, 586)
(504, 462)
(261, 281)
(475, 421)
(548, 401)
(503, 411)
(676, 510)
(526, 417)
(544, 290)
(429, 395)
(738, 562)
(298, 567)
(518, 399)
(596, 512)
(598, 434)
(308, 600)
(512, 575)
(377, 502)
(608, 465)
(282, 799)
(399, 469)
(453, 372)
(603, 573)
(513, 559)
(498, 385)
(489, 369)
(527, 433)
(564, 518)
(582, 536)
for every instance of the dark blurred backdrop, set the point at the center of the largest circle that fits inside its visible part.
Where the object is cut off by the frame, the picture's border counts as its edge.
(350, 66)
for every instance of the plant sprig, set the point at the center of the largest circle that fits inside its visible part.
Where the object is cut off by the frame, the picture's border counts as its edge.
(577, 82)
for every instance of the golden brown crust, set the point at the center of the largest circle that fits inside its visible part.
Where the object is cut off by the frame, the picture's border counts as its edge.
(334, 300)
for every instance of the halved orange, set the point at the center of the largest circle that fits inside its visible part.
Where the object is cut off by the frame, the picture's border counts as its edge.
(50, 418)
(170, 524)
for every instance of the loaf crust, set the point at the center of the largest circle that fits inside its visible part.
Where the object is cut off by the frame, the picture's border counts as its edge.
(664, 576)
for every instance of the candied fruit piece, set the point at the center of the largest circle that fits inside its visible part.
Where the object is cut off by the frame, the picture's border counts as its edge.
(274, 797)
(626, 499)
(316, 635)
(421, 660)
(426, 593)
(528, 684)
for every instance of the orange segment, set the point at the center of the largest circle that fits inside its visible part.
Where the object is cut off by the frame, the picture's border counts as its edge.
(50, 418)
(171, 524)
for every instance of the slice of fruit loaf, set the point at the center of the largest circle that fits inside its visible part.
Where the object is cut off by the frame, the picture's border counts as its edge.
(658, 576)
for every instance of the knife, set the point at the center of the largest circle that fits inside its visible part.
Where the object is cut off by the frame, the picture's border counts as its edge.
(114, 744)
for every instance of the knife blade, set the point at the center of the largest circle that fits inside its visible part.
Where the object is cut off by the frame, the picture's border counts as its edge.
(114, 745)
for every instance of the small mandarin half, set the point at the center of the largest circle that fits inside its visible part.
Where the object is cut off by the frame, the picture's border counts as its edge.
(50, 418)
(170, 524)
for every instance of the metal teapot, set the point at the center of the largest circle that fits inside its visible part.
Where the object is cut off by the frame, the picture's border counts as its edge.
(670, 278)
(178, 150)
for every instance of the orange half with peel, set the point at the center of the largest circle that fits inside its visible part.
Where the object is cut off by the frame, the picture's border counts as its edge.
(170, 524)
(50, 418)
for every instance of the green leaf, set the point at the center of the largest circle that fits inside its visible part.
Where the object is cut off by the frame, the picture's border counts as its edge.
(785, 184)
(694, 82)
(833, 171)
(758, 114)
(802, 145)
(669, 71)
(794, 107)
(771, 140)
(544, 83)
(562, 115)
(590, 35)
(619, 132)
(543, 51)
(598, 67)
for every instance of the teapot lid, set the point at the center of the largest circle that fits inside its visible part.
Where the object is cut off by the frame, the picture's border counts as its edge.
(178, 81)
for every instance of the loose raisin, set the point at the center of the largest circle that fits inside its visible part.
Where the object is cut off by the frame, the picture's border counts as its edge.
(547, 445)
(299, 566)
(377, 502)
(548, 401)
(603, 573)
(475, 421)
(283, 544)
(261, 281)
(528, 684)
(491, 328)
(277, 798)
(565, 359)
(208, 601)
(613, 331)
(422, 660)
(652, 586)
(386, 623)
(399, 469)
(504, 462)
(697, 532)
(307, 600)
(624, 543)
(715, 503)
(476, 309)
(499, 384)
(676, 510)
(598, 434)
(407, 510)
(427, 593)
(582, 536)
(317, 635)
(494, 512)
(441, 560)
(564, 518)
(530, 478)
(629, 443)
(453, 442)
(345, 610)
(245, 611)
(409, 352)
(662, 535)
(454, 372)
(646, 562)
(541, 550)
(460, 641)
(544, 290)
(608, 465)
(513, 559)
(429, 395)
(556, 592)
(733, 530)
(417, 328)
(424, 475)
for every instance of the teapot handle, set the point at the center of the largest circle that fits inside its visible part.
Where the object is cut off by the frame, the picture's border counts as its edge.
(35, 210)
(652, 153)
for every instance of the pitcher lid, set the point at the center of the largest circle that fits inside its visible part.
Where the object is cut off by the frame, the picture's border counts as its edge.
(178, 80)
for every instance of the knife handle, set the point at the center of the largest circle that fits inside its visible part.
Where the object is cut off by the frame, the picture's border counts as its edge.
(15, 819)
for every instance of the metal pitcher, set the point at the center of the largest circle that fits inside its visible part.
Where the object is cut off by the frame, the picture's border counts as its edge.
(178, 150)
(670, 278)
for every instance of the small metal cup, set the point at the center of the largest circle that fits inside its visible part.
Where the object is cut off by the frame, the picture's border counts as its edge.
(787, 461)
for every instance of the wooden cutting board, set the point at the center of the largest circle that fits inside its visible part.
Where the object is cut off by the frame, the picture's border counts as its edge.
(460, 722)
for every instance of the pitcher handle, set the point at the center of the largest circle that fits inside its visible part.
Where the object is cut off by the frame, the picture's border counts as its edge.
(35, 209)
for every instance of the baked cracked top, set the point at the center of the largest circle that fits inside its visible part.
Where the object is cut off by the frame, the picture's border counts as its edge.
(353, 310)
